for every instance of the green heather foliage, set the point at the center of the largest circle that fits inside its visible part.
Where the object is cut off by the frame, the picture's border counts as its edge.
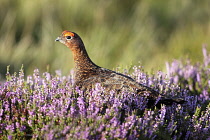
(44, 106)
(116, 33)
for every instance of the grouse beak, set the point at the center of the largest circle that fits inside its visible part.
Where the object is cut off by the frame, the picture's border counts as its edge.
(58, 39)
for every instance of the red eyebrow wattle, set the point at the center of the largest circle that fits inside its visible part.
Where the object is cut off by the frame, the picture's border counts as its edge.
(67, 33)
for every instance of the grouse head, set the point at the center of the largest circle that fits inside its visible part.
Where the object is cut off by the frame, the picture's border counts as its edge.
(71, 40)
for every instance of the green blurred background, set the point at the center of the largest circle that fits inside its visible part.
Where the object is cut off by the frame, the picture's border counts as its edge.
(116, 32)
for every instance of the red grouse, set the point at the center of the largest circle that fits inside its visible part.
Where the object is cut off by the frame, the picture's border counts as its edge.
(88, 73)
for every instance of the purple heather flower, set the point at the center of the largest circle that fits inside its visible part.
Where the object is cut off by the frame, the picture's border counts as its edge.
(17, 124)
(14, 100)
(117, 133)
(10, 127)
(173, 68)
(47, 76)
(7, 117)
(114, 121)
(23, 128)
(130, 121)
(9, 137)
(50, 135)
(30, 122)
(81, 104)
(94, 109)
(190, 72)
(187, 135)
(198, 78)
(171, 126)
(66, 129)
(58, 73)
(20, 80)
(23, 119)
(116, 105)
(1, 112)
(162, 113)
(29, 80)
(206, 56)
(80, 92)
(205, 95)
(98, 87)
(150, 133)
(175, 79)
(101, 127)
(36, 75)
(198, 127)
(209, 83)
(85, 134)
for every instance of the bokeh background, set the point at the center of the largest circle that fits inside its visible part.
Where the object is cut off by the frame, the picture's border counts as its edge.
(116, 32)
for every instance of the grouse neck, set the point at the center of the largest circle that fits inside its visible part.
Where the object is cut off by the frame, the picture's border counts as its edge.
(82, 60)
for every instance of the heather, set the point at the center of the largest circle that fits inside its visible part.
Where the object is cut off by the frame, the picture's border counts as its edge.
(45, 106)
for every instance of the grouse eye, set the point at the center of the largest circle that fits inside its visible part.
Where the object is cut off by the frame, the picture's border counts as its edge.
(68, 37)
